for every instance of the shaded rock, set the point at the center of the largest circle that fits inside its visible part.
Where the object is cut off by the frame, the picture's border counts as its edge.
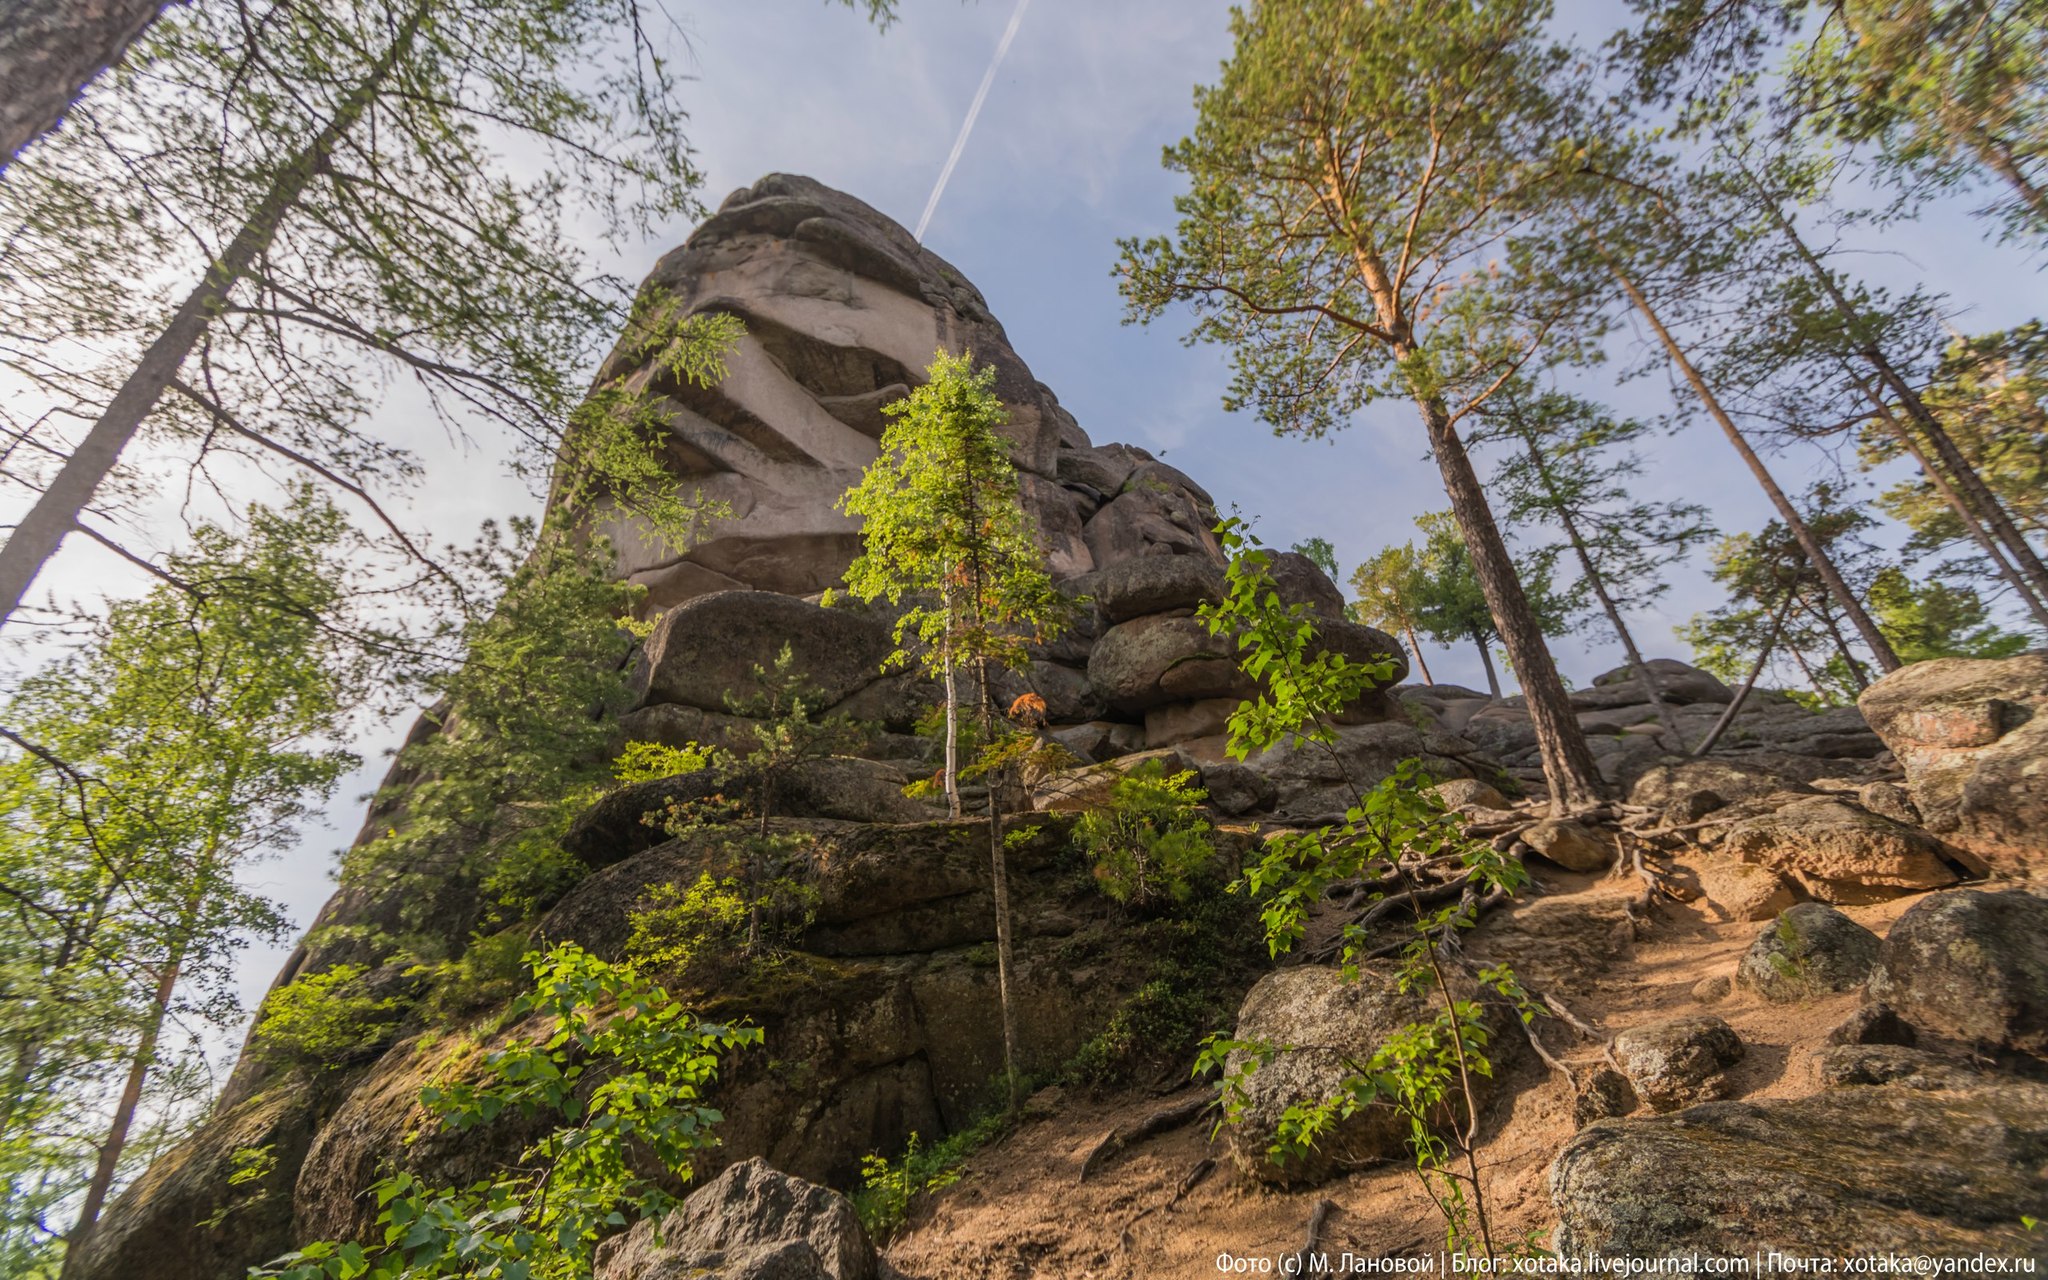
(1133, 588)
(1872, 1024)
(1740, 891)
(1151, 661)
(1847, 1172)
(1897, 1064)
(1678, 1062)
(628, 819)
(1300, 580)
(1234, 789)
(1569, 845)
(1313, 779)
(1140, 522)
(1889, 800)
(1604, 1094)
(749, 1221)
(1103, 469)
(1839, 852)
(1089, 786)
(1972, 965)
(1322, 1023)
(1973, 738)
(1677, 683)
(703, 653)
(1181, 721)
(1809, 950)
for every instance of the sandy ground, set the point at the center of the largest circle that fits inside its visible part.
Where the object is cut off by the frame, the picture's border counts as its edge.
(1021, 1210)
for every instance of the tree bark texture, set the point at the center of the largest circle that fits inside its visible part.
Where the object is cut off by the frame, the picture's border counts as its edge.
(49, 51)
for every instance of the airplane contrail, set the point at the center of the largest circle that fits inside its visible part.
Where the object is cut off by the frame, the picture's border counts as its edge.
(967, 125)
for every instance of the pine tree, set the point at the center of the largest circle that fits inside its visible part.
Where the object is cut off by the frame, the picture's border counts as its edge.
(1449, 604)
(1359, 180)
(1388, 589)
(943, 533)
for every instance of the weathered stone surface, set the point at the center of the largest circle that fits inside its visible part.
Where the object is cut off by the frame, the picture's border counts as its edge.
(1678, 1062)
(1740, 891)
(1680, 785)
(1713, 989)
(1972, 965)
(1677, 683)
(1839, 852)
(1972, 735)
(627, 820)
(1460, 793)
(1234, 789)
(732, 1226)
(1089, 786)
(1151, 661)
(1150, 521)
(1300, 580)
(1102, 469)
(703, 653)
(1569, 845)
(1605, 1094)
(1847, 1172)
(1872, 1024)
(1181, 721)
(1810, 950)
(1311, 780)
(1152, 584)
(1324, 1022)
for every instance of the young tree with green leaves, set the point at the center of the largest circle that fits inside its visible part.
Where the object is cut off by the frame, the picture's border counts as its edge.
(1359, 179)
(1389, 592)
(1934, 620)
(269, 210)
(142, 774)
(943, 532)
(1449, 604)
(1319, 552)
(1569, 476)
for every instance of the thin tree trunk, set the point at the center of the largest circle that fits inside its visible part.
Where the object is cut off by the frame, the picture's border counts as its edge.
(124, 1111)
(1415, 647)
(952, 719)
(1980, 494)
(1486, 661)
(1756, 669)
(1568, 766)
(56, 511)
(1858, 674)
(1974, 526)
(50, 50)
(1830, 576)
(999, 865)
(1997, 153)
(1598, 582)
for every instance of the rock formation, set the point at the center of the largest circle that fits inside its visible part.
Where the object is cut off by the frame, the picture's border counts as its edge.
(886, 1025)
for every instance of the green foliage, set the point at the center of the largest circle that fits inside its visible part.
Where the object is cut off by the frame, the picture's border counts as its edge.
(1150, 841)
(1321, 554)
(324, 1021)
(698, 934)
(653, 761)
(186, 738)
(621, 1066)
(1933, 620)
(1301, 689)
(1397, 824)
(888, 1187)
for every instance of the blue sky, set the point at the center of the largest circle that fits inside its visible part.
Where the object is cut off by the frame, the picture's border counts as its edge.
(1064, 160)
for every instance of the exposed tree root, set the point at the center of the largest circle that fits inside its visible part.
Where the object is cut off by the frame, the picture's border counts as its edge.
(1164, 1120)
(1313, 1245)
(1203, 1168)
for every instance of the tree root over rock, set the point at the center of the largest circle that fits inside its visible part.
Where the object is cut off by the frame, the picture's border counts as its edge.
(1164, 1120)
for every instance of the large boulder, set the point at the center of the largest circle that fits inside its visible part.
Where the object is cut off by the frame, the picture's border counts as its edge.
(1150, 584)
(1312, 779)
(1972, 965)
(1839, 852)
(751, 1222)
(1972, 735)
(704, 653)
(1151, 661)
(1809, 950)
(1321, 1025)
(1677, 683)
(1947, 1170)
(1687, 790)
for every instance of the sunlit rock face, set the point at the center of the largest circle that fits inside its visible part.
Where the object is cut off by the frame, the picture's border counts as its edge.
(844, 311)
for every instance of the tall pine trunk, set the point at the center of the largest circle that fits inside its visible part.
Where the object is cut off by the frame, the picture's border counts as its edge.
(56, 511)
(999, 868)
(1756, 669)
(50, 50)
(1568, 766)
(1598, 581)
(952, 718)
(1831, 577)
